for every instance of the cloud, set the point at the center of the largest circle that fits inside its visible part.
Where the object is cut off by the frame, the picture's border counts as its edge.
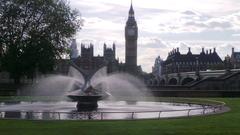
(152, 42)
(220, 24)
(236, 35)
(197, 24)
(189, 12)
(112, 15)
(214, 24)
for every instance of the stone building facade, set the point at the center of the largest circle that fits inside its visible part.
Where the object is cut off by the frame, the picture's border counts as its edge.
(177, 62)
(88, 62)
(131, 36)
(235, 59)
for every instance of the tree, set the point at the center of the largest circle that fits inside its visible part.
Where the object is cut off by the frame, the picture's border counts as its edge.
(34, 33)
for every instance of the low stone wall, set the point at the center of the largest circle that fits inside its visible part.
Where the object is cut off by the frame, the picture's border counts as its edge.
(195, 93)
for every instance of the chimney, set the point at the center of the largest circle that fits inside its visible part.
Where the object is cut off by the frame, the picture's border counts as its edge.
(214, 50)
(114, 46)
(233, 50)
(189, 49)
(210, 51)
(114, 50)
(177, 49)
(203, 50)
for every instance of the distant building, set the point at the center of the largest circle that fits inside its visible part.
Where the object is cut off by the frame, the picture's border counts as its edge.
(235, 59)
(177, 62)
(88, 62)
(156, 69)
(74, 51)
(131, 36)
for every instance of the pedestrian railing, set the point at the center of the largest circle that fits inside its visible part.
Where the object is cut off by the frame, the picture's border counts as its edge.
(95, 115)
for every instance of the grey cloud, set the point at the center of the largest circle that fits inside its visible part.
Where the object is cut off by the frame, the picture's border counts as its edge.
(183, 46)
(154, 43)
(204, 35)
(197, 24)
(188, 12)
(203, 22)
(222, 25)
(116, 12)
(172, 27)
(193, 15)
(210, 24)
(206, 22)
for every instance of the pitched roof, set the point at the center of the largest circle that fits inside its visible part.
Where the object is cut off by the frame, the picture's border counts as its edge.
(189, 57)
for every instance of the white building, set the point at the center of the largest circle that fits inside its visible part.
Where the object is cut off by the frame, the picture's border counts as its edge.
(156, 69)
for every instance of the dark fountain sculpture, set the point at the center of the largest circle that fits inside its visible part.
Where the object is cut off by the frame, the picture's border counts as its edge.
(87, 96)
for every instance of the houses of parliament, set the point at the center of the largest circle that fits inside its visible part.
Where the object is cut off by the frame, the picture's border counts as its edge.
(90, 63)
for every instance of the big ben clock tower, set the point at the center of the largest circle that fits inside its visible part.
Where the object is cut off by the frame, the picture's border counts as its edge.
(131, 35)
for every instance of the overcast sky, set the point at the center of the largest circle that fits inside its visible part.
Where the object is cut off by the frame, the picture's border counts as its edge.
(162, 24)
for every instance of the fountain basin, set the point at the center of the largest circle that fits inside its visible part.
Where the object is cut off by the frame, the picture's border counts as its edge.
(86, 103)
(107, 110)
(80, 98)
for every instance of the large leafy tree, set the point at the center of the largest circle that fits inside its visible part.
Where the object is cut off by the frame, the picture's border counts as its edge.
(34, 33)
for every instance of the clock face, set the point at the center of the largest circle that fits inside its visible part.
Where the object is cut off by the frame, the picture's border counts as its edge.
(131, 32)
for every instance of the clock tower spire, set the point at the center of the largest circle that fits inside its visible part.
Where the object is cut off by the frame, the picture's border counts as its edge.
(131, 35)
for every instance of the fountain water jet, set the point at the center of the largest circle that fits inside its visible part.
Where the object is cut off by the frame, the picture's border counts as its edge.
(99, 85)
(88, 88)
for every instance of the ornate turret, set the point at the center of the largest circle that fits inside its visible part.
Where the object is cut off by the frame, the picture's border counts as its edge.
(109, 53)
(87, 51)
(131, 11)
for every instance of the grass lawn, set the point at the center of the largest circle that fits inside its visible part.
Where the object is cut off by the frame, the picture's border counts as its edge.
(222, 124)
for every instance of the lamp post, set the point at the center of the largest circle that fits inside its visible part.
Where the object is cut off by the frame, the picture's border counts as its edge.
(228, 64)
(197, 69)
(178, 74)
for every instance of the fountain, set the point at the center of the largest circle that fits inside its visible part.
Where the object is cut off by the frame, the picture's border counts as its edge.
(98, 96)
(87, 96)
(97, 85)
